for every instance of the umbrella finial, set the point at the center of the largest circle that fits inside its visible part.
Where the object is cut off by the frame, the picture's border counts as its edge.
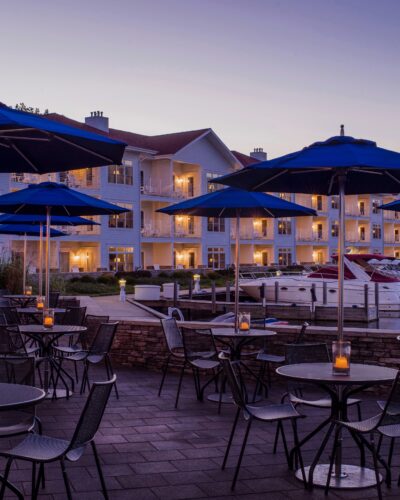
(342, 130)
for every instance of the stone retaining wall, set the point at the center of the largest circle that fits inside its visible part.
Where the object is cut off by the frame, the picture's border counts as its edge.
(141, 343)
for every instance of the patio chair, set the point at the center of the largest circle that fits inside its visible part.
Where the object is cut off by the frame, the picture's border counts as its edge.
(266, 413)
(39, 449)
(53, 299)
(74, 316)
(309, 353)
(11, 315)
(386, 423)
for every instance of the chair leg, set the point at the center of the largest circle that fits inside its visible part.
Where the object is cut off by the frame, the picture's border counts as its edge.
(164, 373)
(391, 448)
(180, 384)
(66, 480)
(299, 455)
(111, 370)
(241, 454)
(230, 439)
(99, 470)
(376, 468)
(4, 481)
(285, 446)
(331, 463)
(33, 480)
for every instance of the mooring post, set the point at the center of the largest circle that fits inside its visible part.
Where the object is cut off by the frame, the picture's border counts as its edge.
(175, 294)
(228, 292)
(190, 289)
(213, 298)
(276, 291)
(377, 299)
(366, 298)
(324, 293)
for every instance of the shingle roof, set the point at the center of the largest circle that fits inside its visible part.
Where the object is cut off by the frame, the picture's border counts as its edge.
(164, 144)
(244, 159)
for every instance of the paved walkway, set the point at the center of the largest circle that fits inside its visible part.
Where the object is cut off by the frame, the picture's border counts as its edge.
(111, 305)
(151, 451)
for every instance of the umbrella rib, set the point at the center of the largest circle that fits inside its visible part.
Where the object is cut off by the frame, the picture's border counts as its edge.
(307, 171)
(23, 156)
(372, 172)
(6, 131)
(4, 145)
(392, 177)
(268, 212)
(87, 150)
(271, 179)
(18, 138)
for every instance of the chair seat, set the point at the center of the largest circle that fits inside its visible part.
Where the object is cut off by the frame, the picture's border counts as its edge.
(38, 448)
(65, 349)
(319, 403)
(271, 413)
(204, 364)
(362, 426)
(16, 422)
(394, 408)
(95, 358)
(78, 356)
(391, 431)
(270, 358)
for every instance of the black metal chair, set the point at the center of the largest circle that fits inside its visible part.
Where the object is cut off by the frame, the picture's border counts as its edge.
(68, 302)
(297, 353)
(74, 316)
(266, 413)
(53, 299)
(11, 315)
(386, 423)
(39, 449)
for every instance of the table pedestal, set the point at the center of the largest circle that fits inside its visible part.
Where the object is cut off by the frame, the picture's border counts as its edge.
(352, 477)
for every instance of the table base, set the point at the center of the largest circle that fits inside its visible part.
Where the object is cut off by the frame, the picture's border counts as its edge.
(227, 398)
(355, 477)
(58, 393)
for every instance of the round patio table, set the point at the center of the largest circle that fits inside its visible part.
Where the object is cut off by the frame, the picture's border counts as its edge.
(340, 388)
(46, 337)
(21, 300)
(12, 397)
(235, 341)
(35, 314)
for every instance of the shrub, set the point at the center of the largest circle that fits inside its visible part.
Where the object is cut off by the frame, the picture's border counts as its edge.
(106, 279)
(213, 275)
(164, 274)
(88, 279)
(181, 274)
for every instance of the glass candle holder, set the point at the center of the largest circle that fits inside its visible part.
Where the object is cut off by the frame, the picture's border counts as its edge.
(341, 351)
(28, 290)
(48, 318)
(40, 303)
(244, 321)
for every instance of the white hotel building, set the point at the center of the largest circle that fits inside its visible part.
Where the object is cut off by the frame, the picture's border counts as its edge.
(163, 169)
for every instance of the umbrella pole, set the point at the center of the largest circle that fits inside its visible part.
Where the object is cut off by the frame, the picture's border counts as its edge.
(24, 267)
(237, 259)
(342, 240)
(47, 262)
(41, 259)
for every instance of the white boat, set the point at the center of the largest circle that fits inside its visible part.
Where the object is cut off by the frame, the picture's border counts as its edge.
(309, 288)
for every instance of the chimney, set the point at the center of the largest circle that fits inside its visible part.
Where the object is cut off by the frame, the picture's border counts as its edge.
(97, 120)
(258, 154)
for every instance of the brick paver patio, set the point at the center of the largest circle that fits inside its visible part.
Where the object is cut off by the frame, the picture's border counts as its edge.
(151, 451)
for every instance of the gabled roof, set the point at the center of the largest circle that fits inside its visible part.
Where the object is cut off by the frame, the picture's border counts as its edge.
(165, 144)
(244, 159)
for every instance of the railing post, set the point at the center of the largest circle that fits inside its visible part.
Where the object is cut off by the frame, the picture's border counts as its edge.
(175, 294)
(190, 289)
(213, 298)
(366, 298)
(324, 293)
(276, 291)
(228, 292)
(377, 299)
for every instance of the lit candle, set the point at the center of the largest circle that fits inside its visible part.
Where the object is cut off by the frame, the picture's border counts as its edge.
(28, 290)
(244, 325)
(48, 321)
(341, 362)
(39, 304)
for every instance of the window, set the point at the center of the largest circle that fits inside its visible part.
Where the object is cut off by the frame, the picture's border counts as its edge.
(216, 258)
(121, 174)
(142, 220)
(361, 207)
(190, 225)
(335, 202)
(122, 221)
(141, 181)
(319, 202)
(120, 258)
(375, 205)
(215, 224)
(335, 229)
(362, 233)
(211, 187)
(284, 226)
(284, 196)
(284, 256)
(376, 231)
(396, 235)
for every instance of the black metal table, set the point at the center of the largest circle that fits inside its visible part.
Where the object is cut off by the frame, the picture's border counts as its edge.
(235, 341)
(21, 300)
(13, 397)
(339, 388)
(46, 338)
(36, 314)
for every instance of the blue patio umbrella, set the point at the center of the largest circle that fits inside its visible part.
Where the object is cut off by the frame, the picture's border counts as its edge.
(33, 143)
(51, 198)
(393, 205)
(40, 220)
(26, 230)
(340, 165)
(236, 203)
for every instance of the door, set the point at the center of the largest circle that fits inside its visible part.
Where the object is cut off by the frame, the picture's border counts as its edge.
(264, 257)
(264, 227)
(190, 186)
(362, 207)
(319, 231)
(362, 233)
(64, 262)
(191, 260)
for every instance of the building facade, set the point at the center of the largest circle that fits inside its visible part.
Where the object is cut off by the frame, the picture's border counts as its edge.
(164, 169)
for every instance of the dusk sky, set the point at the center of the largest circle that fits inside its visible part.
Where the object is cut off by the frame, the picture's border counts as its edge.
(277, 74)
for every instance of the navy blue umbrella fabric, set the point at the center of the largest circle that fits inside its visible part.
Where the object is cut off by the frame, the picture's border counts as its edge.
(316, 169)
(33, 143)
(393, 205)
(231, 202)
(36, 198)
(28, 230)
(56, 220)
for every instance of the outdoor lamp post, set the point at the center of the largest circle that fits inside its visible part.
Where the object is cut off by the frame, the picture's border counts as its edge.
(196, 281)
(122, 294)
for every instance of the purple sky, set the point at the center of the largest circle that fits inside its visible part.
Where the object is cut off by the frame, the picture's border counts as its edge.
(278, 74)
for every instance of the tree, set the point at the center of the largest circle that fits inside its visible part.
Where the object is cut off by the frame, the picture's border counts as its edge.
(29, 109)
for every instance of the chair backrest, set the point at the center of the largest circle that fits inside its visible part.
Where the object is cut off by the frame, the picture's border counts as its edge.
(92, 413)
(197, 343)
(74, 316)
(104, 338)
(4, 301)
(3, 320)
(391, 412)
(69, 302)
(306, 353)
(232, 379)
(17, 370)
(11, 315)
(300, 337)
(92, 324)
(172, 333)
(53, 299)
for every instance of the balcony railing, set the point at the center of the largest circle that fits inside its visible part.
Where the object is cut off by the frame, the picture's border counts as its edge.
(184, 233)
(311, 236)
(155, 232)
(75, 181)
(249, 234)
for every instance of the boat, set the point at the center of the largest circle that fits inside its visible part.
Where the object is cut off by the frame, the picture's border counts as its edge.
(320, 286)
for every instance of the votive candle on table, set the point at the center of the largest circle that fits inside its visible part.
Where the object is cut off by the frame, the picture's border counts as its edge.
(341, 351)
(244, 321)
(28, 290)
(48, 318)
(40, 303)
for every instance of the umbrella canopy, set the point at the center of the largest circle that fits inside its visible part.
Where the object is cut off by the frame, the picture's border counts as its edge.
(37, 198)
(27, 230)
(340, 165)
(33, 143)
(55, 220)
(317, 168)
(393, 205)
(231, 202)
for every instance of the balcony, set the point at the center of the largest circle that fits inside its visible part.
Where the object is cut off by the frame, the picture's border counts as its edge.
(312, 236)
(251, 234)
(85, 178)
(81, 230)
(159, 189)
(155, 232)
(184, 233)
